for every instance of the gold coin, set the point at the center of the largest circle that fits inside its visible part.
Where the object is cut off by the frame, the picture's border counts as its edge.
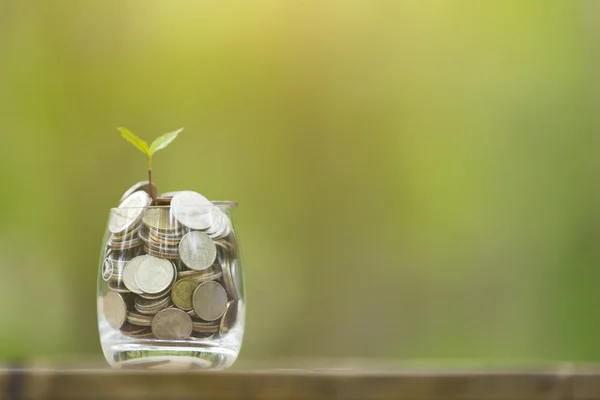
(160, 219)
(182, 293)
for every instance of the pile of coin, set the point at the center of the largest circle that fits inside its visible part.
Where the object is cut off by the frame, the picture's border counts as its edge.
(171, 267)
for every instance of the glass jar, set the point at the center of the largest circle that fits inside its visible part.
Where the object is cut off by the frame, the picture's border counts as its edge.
(170, 287)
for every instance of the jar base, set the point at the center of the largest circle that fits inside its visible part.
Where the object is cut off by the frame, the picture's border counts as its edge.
(140, 355)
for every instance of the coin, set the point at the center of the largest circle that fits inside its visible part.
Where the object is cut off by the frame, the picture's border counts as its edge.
(160, 254)
(126, 245)
(160, 218)
(118, 287)
(126, 234)
(115, 309)
(129, 274)
(236, 274)
(230, 317)
(107, 269)
(129, 212)
(232, 279)
(205, 327)
(153, 296)
(161, 247)
(165, 240)
(172, 324)
(197, 250)
(192, 209)
(154, 274)
(144, 235)
(225, 227)
(209, 274)
(143, 332)
(170, 235)
(148, 303)
(139, 319)
(165, 198)
(154, 309)
(202, 335)
(124, 255)
(217, 222)
(181, 294)
(143, 185)
(151, 306)
(209, 300)
(192, 313)
(133, 330)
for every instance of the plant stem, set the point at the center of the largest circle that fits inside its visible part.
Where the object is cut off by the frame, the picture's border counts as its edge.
(150, 184)
(150, 179)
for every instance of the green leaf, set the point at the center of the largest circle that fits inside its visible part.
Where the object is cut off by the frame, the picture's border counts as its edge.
(163, 141)
(134, 140)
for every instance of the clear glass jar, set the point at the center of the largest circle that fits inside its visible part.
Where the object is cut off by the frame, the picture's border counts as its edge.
(171, 294)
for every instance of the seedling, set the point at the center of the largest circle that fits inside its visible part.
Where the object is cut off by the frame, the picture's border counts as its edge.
(159, 144)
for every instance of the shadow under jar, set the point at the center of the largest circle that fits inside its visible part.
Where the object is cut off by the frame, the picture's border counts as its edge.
(170, 287)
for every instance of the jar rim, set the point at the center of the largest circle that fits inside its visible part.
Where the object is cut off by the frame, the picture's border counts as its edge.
(224, 204)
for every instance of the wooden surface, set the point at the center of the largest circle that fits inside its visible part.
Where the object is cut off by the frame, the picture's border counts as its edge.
(54, 382)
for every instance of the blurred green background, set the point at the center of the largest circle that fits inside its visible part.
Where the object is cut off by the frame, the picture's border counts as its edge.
(416, 179)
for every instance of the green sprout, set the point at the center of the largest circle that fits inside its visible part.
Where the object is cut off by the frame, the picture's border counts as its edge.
(159, 144)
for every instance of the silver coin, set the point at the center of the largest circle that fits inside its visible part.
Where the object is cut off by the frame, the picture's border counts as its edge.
(127, 245)
(107, 269)
(197, 250)
(172, 324)
(139, 319)
(152, 296)
(209, 274)
(205, 327)
(118, 287)
(152, 311)
(209, 300)
(225, 227)
(115, 309)
(146, 303)
(236, 275)
(230, 317)
(217, 222)
(154, 274)
(129, 274)
(151, 251)
(129, 212)
(192, 210)
(169, 235)
(126, 234)
(143, 185)
(232, 278)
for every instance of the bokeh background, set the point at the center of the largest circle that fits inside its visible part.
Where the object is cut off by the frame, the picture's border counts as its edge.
(416, 179)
